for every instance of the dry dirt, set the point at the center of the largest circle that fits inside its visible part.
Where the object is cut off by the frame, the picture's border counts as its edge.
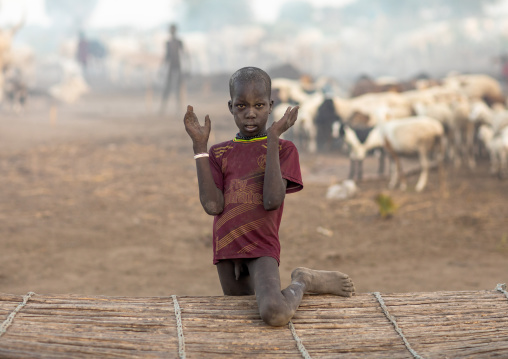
(103, 200)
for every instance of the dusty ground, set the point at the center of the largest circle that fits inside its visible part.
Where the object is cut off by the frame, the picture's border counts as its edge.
(104, 201)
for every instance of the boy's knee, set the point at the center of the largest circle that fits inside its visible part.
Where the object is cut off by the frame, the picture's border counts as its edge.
(275, 315)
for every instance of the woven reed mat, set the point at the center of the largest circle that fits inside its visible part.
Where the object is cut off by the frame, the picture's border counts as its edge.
(466, 324)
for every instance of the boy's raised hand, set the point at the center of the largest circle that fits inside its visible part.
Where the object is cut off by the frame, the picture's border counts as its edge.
(279, 127)
(199, 134)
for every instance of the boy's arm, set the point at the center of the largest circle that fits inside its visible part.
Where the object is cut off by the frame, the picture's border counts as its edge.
(274, 187)
(212, 198)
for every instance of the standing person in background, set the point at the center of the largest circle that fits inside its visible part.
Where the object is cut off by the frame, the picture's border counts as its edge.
(82, 51)
(172, 62)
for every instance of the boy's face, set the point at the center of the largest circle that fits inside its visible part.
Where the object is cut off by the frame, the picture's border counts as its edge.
(250, 107)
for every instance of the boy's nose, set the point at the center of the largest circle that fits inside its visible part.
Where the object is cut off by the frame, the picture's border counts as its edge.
(250, 113)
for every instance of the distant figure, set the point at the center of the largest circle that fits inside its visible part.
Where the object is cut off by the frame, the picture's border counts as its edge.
(82, 51)
(15, 88)
(97, 53)
(172, 60)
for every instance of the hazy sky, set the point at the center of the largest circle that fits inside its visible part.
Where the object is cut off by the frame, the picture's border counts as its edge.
(154, 12)
(11, 11)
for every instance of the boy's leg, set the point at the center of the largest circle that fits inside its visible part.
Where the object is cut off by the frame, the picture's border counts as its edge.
(277, 307)
(234, 277)
(324, 282)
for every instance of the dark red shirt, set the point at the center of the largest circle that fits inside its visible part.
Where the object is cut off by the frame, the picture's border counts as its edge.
(245, 229)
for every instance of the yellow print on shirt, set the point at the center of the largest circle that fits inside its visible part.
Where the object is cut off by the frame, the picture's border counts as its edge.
(266, 146)
(219, 151)
(262, 158)
(262, 161)
(238, 232)
(248, 248)
(238, 192)
(237, 211)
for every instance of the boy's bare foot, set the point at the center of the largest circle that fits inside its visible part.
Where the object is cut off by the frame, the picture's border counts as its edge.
(324, 282)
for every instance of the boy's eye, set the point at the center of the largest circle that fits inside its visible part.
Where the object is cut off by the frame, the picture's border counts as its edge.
(259, 105)
(240, 106)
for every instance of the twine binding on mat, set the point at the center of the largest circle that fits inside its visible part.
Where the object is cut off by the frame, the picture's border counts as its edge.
(298, 341)
(395, 325)
(179, 327)
(10, 318)
(502, 288)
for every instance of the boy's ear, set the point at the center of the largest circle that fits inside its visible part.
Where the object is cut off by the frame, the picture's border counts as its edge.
(271, 106)
(230, 106)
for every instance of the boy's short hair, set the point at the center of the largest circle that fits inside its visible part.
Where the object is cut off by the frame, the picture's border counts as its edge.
(250, 74)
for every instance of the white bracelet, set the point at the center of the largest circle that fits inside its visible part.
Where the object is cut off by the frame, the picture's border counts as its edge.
(199, 155)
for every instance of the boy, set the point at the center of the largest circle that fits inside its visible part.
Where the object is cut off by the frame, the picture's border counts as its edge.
(243, 183)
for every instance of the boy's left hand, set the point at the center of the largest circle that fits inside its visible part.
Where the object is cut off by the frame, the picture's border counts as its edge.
(279, 127)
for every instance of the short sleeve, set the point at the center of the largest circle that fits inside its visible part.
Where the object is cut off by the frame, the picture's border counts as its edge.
(216, 168)
(290, 166)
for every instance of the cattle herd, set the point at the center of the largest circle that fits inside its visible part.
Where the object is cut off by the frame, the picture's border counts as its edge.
(450, 120)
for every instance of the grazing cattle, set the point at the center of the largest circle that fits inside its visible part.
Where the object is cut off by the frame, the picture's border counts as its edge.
(365, 85)
(15, 89)
(442, 112)
(304, 130)
(6, 38)
(325, 120)
(497, 145)
(477, 87)
(361, 142)
(288, 91)
(412, 135)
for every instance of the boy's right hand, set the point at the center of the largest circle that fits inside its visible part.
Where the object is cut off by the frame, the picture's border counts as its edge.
(199, 134)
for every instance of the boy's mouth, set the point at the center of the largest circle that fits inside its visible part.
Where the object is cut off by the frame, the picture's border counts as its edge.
(250, 128)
